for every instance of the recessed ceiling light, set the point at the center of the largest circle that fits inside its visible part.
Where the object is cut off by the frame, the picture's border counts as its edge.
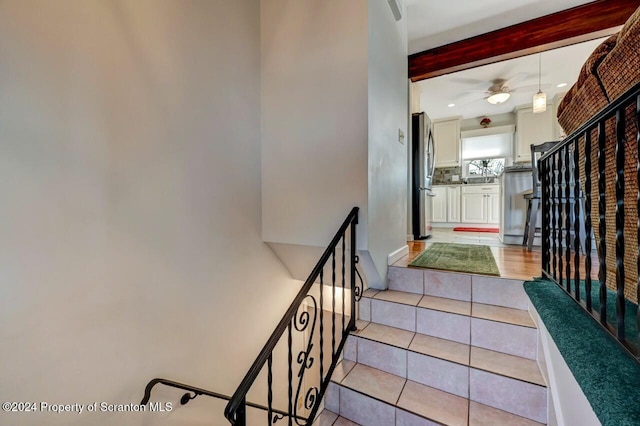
(561, 85)
(451, 105)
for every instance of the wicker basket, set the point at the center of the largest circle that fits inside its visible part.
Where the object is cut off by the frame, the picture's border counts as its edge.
(612, 69)
(619, 70)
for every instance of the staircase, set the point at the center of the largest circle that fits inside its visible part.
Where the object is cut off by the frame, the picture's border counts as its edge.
(440, 348)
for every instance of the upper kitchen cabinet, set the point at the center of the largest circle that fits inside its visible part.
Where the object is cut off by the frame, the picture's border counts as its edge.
(446, 134)
(532, 129)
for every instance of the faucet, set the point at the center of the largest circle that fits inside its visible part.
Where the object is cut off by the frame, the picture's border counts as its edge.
(485, 170)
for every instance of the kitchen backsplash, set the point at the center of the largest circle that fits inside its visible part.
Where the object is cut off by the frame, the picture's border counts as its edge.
(443, 175)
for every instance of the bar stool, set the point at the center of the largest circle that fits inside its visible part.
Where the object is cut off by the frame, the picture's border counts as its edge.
(532, 197)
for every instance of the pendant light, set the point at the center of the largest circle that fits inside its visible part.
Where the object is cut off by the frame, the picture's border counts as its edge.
(540, 98)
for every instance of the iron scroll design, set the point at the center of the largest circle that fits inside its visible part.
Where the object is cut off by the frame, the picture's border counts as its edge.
(306, 316)
(339, 285)
(305, 359)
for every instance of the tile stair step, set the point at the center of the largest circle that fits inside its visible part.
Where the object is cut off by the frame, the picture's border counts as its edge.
(329, 418)
(454, 285)
(369, 396)
(376, 345)
(497, 328)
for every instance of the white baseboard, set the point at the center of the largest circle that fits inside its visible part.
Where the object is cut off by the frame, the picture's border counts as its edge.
(409, 237)
(397, 255)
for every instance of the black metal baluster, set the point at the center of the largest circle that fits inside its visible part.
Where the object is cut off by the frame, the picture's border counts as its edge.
(333, 303)
(602, 223)
(576, 217)
(321, 324)
(587, 218)
(567, 215)
(554, 173)
(552, 223)
(343, 289)
(354, 291)
(543, 166)
(620, 160)
(559, 217)
(270, 388)
(302, 315)
(290, 374)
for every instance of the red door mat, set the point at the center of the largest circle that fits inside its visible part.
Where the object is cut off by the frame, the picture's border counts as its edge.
(471, 229)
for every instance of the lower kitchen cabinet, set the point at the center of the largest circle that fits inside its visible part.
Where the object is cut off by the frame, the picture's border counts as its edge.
(493, 208)
(480, 204)
(439, 204)
(453, 203)
(446, 204)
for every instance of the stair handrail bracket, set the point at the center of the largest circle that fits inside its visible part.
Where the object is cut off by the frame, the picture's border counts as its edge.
(295, 320)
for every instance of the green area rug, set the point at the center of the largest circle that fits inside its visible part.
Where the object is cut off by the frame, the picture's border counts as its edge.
(476, 259)
(608, 376)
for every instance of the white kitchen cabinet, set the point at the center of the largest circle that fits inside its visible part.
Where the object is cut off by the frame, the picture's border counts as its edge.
(439, 204)
(532, 129)
(480, 204)
(453, 203)
(446, 135)
(493, 208)
(474, 208)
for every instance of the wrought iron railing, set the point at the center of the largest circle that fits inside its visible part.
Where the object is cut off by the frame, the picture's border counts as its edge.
(192, 393)
(305, 316)
(305, 376)
(570, 181)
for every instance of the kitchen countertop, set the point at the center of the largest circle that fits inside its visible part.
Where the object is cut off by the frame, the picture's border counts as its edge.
(518, 168)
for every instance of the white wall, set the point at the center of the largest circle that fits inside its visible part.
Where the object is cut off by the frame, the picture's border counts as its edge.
(388, 113)
(130, 239)
(314, 119)
(334, 94)
(496, 120)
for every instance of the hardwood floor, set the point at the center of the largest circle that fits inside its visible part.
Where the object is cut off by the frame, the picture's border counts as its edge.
(514, 262)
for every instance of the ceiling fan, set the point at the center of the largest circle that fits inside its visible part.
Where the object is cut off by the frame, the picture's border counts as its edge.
(500, 89)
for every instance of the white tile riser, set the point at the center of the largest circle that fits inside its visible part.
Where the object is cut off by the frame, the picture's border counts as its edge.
(393, 314)
(444, 325)
(506, 338)
(365, 410)
(437, 373)
(405, 279)
(477, 288)
(511, 395)
(383, 357)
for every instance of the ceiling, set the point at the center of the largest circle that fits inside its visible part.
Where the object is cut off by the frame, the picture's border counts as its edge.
(466, 88)
(436, 23)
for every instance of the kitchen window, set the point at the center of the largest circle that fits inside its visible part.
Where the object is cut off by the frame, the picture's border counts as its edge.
(485, 155)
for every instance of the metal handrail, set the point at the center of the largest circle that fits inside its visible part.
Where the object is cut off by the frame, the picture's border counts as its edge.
(234, 411)
(196, 392)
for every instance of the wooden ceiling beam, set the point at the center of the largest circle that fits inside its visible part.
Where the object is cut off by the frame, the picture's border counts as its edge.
(587, 22)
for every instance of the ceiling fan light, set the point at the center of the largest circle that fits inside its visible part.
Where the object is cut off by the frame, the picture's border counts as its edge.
(498, 98)
(539, 102)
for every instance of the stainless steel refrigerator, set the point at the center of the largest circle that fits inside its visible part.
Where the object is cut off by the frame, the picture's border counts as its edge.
(423, 162)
